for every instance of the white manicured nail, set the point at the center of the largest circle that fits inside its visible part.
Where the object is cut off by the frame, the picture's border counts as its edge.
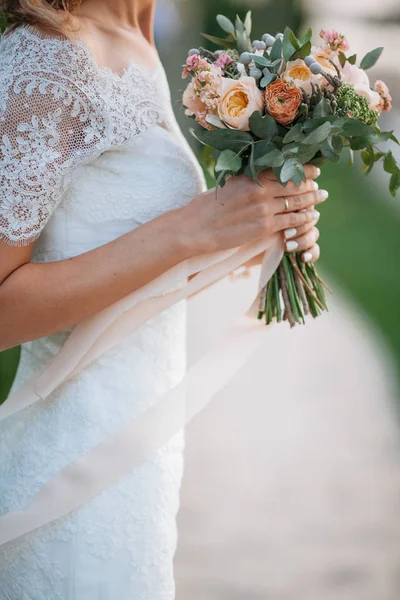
(315, 215)
(307, 256)
(289, 233)
(323, 194)
(315, 185)
(290, 246)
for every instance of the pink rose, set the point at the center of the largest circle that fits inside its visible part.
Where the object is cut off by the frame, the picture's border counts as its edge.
(239, 99)
(359, 79)
(354, 75)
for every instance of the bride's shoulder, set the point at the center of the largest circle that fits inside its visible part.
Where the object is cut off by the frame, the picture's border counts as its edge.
(29, 50)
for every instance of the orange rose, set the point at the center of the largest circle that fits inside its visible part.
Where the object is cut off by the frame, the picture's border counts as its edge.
(283, 100)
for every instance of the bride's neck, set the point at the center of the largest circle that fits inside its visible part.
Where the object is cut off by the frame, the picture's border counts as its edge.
(126, 14)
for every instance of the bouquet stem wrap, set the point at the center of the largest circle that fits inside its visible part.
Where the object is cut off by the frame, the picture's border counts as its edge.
(139, 439)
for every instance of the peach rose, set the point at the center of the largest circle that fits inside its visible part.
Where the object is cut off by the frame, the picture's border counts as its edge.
(298, 73)
(239, 99)
(283, 100)
(323, 57)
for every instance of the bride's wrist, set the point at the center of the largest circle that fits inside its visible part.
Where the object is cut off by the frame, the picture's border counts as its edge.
(186, 238)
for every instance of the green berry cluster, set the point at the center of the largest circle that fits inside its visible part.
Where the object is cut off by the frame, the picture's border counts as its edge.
(350, 104)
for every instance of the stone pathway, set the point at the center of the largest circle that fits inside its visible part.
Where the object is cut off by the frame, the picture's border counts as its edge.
(292, 484)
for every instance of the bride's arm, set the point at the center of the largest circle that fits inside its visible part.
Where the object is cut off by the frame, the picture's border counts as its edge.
(40, 299)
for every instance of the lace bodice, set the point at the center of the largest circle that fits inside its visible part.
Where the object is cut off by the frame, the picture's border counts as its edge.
(59, 111)
(86, 156)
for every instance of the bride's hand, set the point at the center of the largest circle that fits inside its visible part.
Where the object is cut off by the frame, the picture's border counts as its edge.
(242, 212)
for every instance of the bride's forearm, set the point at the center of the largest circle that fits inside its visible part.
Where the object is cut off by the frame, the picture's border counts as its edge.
(40, 299)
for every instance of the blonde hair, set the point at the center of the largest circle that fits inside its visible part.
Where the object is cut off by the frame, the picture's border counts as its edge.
(52, 15)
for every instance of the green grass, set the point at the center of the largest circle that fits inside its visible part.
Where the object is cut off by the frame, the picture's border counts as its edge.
(360, 241)
(8, 367)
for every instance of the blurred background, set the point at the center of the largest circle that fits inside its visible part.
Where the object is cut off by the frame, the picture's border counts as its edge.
(292, 484)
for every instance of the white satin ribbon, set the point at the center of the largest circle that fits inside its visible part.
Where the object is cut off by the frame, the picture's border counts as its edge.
(137, 441)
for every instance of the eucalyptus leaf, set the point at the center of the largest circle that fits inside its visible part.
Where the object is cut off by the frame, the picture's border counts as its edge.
(303, 51)
(225, 24)
(306, 153)
(261, 148)
(225, 139)
(260, 60)
(228, 161)
(352, 59)
(368, 159)
(248, 23)
(221, 179)
(371, 58)
(367, 156)
(276, 50)
(312, 124)
(394, 139)
(274, 158)
(337, 143)
(389, 164)
(394, 183)
(318, 135)
(328, 151)
(225, 43)
(354, 127)
(290, 44)
(263, 127)
(362, 141)
(342, 59)
(292, 170)
(243, 39)
(267, 79)
(295, 134)
(306, 37)
(322, 109)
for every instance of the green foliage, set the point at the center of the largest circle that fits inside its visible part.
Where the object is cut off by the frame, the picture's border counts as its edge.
(290, 44)
(228, 161)
(264, 127)
(371, 58)
(225, 24)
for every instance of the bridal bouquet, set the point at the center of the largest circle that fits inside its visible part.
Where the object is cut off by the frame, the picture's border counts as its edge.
(280, 103)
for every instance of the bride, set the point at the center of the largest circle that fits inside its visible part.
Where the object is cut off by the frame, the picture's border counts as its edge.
(100, 194)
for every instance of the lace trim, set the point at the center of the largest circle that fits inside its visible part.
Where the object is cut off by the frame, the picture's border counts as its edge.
(58, 109)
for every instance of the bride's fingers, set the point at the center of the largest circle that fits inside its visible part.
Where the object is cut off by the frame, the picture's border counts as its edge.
(295, 232)
(297, 203)
(278, 191)
(311, 255)
(303, 242)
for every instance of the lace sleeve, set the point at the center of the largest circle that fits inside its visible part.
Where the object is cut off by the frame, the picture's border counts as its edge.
(49, 123)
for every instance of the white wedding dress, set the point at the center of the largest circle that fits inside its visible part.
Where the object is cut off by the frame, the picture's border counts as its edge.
(86, 156)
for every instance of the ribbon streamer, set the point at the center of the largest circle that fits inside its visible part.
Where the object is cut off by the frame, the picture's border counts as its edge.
(138, 440)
